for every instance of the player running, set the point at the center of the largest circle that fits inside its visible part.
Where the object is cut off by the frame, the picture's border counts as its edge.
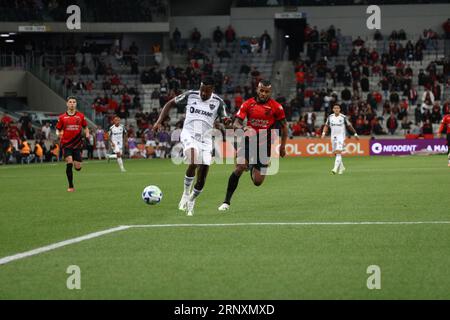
(262, 113)
(68, 129)
(445, 123)
(116, 134)
(338, 124)
(203, 107)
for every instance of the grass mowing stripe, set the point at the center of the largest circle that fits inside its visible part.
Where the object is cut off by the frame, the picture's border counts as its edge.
(89, 236)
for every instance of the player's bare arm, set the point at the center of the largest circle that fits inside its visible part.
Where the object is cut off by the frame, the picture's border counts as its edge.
(227, 122)
(238, 124)
(352, 130)
(325, 131)
(441, 129)
(86, 132)
(164, 113)
(284, 136)
(59, 133)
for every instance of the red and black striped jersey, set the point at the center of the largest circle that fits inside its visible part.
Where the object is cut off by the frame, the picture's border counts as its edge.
(445, 125)
(261, 116)
(72, 126)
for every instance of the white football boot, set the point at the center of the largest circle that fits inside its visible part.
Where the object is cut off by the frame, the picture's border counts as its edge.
(224, 207)
(190, 208)
(183, 202)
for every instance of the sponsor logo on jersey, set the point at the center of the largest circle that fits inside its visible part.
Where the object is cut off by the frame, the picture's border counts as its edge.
(259, 123)
(339, 123)
(200, 112)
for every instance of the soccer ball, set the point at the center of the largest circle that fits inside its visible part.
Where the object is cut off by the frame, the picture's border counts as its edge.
(152, 195)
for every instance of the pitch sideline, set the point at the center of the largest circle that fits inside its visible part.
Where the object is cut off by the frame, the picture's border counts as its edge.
(97, 234)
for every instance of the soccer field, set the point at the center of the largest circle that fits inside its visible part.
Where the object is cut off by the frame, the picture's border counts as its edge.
(298, 236)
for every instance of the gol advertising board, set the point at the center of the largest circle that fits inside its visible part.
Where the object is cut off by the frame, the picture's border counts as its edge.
(309, 148)
(323, 147)
(402, 147)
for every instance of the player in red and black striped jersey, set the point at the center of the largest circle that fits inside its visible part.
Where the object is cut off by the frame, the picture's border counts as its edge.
(262, 114)
(69, 129)
(445, 128)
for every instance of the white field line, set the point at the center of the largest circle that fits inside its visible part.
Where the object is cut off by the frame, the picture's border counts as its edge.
(89, 236)
(57, 245)
(289, 224)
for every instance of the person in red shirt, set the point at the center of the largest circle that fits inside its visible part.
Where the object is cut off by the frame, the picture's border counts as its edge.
(445, 126)
(300, 79)
(238, 100)
(262, 113)
(446, 27)
(69, 130)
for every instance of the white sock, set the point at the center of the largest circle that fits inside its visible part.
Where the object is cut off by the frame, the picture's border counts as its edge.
(195, 193)
(341, 166)
(337, 162)
(120, 162)
(187, 185)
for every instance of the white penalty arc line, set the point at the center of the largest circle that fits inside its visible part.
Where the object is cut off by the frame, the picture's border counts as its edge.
(89, 236)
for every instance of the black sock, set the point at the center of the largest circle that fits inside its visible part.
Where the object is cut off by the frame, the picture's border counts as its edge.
(69, 174)
(78, 169)
(232, 185)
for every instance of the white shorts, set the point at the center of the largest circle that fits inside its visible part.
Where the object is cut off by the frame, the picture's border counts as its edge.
(338, 144)
(134, 151)
(100, 145)
(118, 146)
(150, 143)
(203, 149)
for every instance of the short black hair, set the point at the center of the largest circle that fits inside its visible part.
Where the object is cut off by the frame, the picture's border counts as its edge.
(70, 98)
(265, 83)
(208, 81)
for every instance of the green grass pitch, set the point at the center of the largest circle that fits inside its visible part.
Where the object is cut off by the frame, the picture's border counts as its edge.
(230, 262)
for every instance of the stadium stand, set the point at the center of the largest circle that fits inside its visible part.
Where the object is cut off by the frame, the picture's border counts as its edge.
(92, 11)
(270, 3)
(395, 83)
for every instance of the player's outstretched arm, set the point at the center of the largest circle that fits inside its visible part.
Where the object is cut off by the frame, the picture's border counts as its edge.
(164, 113)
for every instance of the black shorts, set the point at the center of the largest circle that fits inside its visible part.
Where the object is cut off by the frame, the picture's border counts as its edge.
(74, 153)
(258, 157)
